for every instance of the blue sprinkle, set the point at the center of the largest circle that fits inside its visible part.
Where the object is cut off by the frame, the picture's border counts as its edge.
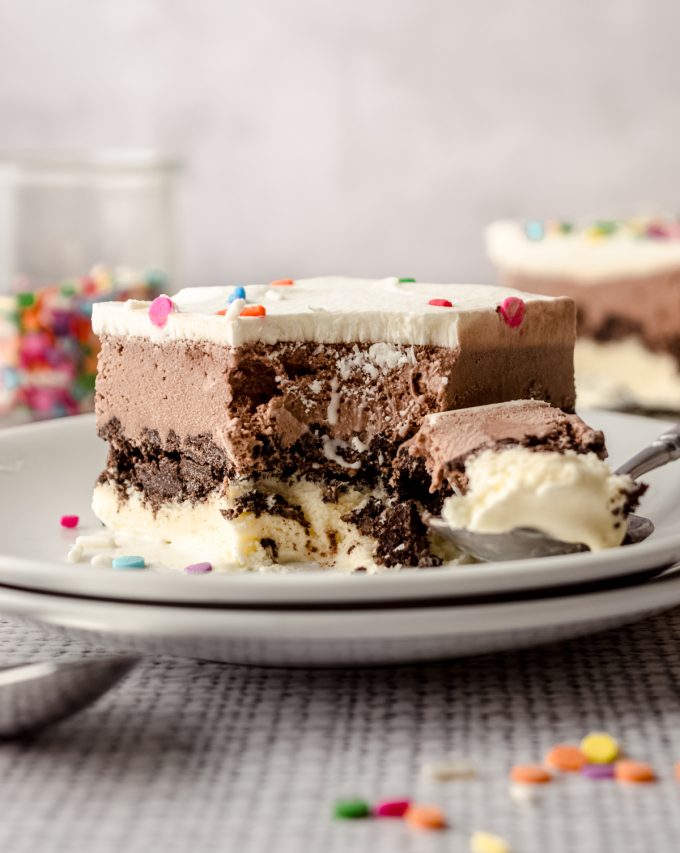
(534, 229)
(128, 561)
(10, 378)
(239, 293)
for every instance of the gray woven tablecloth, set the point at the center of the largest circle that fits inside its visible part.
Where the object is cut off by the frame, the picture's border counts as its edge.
(194, 756)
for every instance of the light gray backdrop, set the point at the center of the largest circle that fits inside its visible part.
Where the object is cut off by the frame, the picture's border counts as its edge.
(361, 136)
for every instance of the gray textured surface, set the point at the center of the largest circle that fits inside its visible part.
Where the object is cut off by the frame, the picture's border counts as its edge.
(357, 137)
(195, 756)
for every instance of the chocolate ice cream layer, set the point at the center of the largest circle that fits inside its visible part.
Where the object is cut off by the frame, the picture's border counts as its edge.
(446, 440)
(643, 306)
(342, 406)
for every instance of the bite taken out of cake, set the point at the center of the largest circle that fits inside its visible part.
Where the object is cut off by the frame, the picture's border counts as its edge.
(259, 426)
(523, 464)
(625, 278)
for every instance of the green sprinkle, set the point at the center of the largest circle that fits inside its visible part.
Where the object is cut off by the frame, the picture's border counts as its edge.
(156, 278)
(606, 227)
(351, 809)
(566, 227)
(25, 300)
(407, 281)
(67, 289)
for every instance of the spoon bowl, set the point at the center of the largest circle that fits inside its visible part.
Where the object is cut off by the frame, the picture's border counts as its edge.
(526, 542)
(523, 542)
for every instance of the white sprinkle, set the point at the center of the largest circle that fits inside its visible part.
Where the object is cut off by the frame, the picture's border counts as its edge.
(96, 540)
(101, 560)
(75, 554)
(274, 295)
(234, 310)
(448, 771)
(400, 547)
(525, 794)
(316, 386)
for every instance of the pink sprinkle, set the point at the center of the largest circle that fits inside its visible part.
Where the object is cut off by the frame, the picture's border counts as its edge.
(160, 309)
(441, 303)
(392, 808)
(198, 568)
(69, 520)
(512, 311)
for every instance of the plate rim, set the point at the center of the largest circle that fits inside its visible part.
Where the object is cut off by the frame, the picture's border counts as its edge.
(282, 587)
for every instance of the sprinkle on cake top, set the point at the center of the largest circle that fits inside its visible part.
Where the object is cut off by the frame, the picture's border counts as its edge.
(591, 251)
(327, 310)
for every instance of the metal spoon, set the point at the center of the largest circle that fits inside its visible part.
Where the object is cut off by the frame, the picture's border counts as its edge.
(36, 694)
(523, 542)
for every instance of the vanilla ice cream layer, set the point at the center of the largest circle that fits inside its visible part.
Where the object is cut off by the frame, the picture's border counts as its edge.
(612, 374)
(245, 540)
(568, 496)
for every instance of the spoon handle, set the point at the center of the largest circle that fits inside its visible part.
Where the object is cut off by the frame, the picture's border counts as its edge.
(664, 449)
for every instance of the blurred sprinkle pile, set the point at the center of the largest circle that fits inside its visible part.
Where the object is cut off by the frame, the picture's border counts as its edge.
(48, 353)
(639, 228)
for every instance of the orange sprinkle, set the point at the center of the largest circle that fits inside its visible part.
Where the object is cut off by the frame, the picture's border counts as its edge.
(566, 758)
(677, 771)
(530, 774)
(425, 817)
(253, 311)
(633, 771)
(282, 282)
(222, 312)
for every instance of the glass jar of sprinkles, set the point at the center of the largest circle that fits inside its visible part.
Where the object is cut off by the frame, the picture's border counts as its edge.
(74, 229)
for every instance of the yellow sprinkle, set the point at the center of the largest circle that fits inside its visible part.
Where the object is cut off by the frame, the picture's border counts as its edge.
(485, 842)
(599, 748)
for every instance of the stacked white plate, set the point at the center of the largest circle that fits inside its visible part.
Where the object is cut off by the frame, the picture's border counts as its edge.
(314, 617)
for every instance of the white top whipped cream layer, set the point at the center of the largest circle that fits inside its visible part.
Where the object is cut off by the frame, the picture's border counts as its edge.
(578, 255)
(323, 310)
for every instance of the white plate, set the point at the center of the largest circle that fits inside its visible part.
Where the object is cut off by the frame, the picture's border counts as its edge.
(47, 470)
(353, 636)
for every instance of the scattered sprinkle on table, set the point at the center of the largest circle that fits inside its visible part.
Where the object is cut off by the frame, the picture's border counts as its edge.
(198, 568)
(392, 808)
(101, 560)
(677, 770)
(406, 280)
(160, 309)
(441, 303)
(351, 809)
(425, 817)
(486, 842)
(634, 772)
(599, 748)
(128, 561)
(512, 311)
(525, 794)
(69, 520)
(530, 774)
(282, 282)
(237, 293)
(565, 758)
(448, 771)
(253, 311)
(598, 771)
